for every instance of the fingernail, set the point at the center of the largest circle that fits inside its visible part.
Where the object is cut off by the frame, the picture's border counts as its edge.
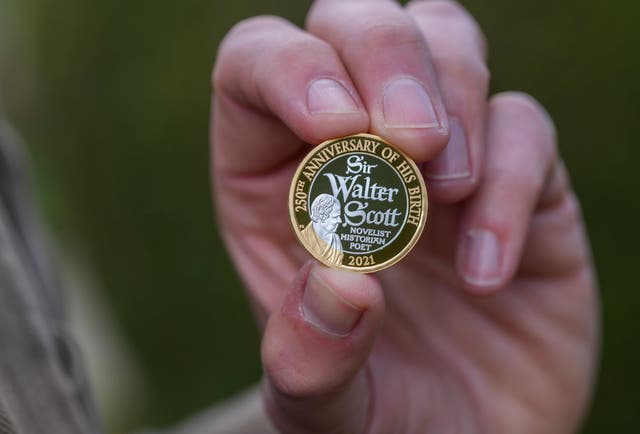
(328, 96)
(453, 161)
(323, 308)
(481, 261)
(406, 104)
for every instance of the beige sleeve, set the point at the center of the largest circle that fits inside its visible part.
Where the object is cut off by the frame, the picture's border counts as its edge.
(42, 383)
(43, 389)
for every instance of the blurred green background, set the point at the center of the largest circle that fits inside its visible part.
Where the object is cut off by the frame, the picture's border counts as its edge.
(112, 98)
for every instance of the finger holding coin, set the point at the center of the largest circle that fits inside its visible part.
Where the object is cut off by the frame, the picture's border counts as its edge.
(388, 58)
(288, 85)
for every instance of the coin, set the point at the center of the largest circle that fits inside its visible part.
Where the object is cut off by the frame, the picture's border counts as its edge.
(358, 203)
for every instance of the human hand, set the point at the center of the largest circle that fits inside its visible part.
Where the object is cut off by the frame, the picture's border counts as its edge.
(490, 324)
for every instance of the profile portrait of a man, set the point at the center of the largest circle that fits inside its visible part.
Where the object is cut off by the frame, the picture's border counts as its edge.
(320, 235)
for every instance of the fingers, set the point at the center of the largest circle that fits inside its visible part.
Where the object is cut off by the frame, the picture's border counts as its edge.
(520, 157)
(458, 52)
(314, 349)
(276, 87)
(556, 242)
(268, 70)
(388, 59)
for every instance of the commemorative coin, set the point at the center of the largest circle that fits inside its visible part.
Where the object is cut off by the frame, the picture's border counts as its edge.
(358, 203)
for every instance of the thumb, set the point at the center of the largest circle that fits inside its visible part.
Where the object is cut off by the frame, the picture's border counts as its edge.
(314, 351)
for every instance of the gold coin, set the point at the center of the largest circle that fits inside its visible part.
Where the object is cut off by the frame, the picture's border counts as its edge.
(358, 203)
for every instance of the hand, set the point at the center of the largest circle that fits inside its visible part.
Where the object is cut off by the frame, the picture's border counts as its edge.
(490, 324)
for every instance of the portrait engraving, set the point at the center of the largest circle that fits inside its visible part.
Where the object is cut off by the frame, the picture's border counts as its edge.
(320, 235)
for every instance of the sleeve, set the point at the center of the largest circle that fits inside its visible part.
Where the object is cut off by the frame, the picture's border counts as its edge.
(43, 388)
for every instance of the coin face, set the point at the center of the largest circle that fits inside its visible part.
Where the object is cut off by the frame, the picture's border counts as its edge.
(358, 203)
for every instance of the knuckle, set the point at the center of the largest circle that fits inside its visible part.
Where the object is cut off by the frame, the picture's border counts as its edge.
(455, 15)
(289, 378)
(449, 8)
(276, 367)
(565, 210)
(256, 24)
(247, 31)
(521, 102)
(354, 27)
(572, 208)
(282, 59)
(289, 381)
(272, 43)
(393, 33)
(481, 73)
(467, 69)
(293, 51)
(233, 46)
(524, 106)
(519, 179)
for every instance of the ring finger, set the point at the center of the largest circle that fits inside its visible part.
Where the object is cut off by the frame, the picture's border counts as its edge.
(458, 52)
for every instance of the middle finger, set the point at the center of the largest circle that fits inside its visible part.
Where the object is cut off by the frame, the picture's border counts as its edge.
(389, 61)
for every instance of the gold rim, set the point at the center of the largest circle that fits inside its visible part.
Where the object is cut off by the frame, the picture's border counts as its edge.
(414, 238)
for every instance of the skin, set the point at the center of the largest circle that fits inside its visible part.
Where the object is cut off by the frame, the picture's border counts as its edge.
(490, 325)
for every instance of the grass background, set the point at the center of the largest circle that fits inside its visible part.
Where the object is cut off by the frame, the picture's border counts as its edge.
(112, 97)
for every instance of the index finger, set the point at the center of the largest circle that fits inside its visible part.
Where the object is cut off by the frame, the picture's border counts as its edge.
(277, 87)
